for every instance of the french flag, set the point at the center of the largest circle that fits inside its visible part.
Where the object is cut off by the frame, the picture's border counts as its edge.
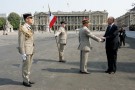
(52, 19)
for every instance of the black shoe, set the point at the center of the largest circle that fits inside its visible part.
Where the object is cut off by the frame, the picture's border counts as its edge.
(27, 84)
(62, 61)
(84, 72)
(107, 71)
(111, 72)
(31, 82)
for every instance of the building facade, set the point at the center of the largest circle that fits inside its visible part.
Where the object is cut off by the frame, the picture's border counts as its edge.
(73, 19)
(3, 15)
(127, 20)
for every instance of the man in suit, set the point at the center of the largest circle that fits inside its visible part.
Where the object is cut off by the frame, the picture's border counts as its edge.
(122, 36)
(62, 40)
(26, 48)
(112, 44)
(85, 45)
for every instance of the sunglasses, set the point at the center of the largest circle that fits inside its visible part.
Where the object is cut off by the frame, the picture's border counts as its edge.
(30, 17)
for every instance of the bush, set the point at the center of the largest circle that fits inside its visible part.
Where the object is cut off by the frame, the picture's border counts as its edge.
(14, 20)
(2, 23)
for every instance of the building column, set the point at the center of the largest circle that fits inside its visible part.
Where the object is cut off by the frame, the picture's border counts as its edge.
(91, 22)
(70, 22)
(77, 22)
(67, 22)
(73, 23)
(99, 23)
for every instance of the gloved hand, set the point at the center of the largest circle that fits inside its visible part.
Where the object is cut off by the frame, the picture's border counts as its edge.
(24, 56)
(56, 35)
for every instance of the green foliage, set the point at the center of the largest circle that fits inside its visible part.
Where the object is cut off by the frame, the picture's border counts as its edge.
(14, 20)
(2, 22)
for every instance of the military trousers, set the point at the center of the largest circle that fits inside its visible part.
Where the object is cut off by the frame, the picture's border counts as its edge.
(83, 60)
(26, 67)
(61, 51)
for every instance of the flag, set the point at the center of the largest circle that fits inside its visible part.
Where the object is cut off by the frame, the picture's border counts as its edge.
(52, 19)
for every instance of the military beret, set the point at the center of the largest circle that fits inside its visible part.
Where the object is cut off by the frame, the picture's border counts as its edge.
(85, 21)
(63, 22)
(27, 15)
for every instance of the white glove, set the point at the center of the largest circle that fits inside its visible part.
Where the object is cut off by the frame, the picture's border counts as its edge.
(56, 35)
(24, 56)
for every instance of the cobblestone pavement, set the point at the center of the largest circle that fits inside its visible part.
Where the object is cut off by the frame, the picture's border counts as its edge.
(49, 74)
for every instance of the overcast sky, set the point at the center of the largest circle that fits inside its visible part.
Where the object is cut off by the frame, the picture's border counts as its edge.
(115, 8)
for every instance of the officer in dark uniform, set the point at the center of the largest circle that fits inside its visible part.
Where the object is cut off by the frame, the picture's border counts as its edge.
(122, 36)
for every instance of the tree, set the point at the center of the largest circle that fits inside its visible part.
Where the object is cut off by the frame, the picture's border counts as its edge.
(14, 20)
(2, 22)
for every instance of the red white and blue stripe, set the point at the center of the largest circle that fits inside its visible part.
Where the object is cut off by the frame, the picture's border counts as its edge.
(52, 19)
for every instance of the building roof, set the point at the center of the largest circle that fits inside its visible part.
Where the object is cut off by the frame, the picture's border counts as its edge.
(3, 15)
(71, 13)
(133, 9)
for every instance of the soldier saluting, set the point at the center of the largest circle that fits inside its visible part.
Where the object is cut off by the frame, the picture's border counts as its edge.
(26, 48)
(62, 40)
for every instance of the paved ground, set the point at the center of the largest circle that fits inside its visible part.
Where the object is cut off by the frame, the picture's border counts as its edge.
(49, 74)
(130, 34)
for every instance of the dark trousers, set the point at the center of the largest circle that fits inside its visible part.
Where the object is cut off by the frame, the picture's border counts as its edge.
(112, 59)
(122, 40)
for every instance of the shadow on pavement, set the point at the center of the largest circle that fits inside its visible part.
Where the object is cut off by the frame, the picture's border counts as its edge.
(6, 81)
(35, 61)
(16, 65)
(93, 66)
(127, 67)
(132, 78)
(72, 70)
(131, 42)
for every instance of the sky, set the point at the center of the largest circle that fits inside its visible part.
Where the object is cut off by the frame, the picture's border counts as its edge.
(114, 8)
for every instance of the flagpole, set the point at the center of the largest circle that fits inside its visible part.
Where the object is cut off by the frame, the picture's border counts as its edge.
(55, 37)
(49, 18)
(49, 26)
(57, 45)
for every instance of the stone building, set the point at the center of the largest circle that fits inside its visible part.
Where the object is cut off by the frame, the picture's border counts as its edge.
(73, 19)
(3, 15)
(128, 19)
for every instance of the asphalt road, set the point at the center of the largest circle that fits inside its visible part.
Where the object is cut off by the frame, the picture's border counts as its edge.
(49, 74)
